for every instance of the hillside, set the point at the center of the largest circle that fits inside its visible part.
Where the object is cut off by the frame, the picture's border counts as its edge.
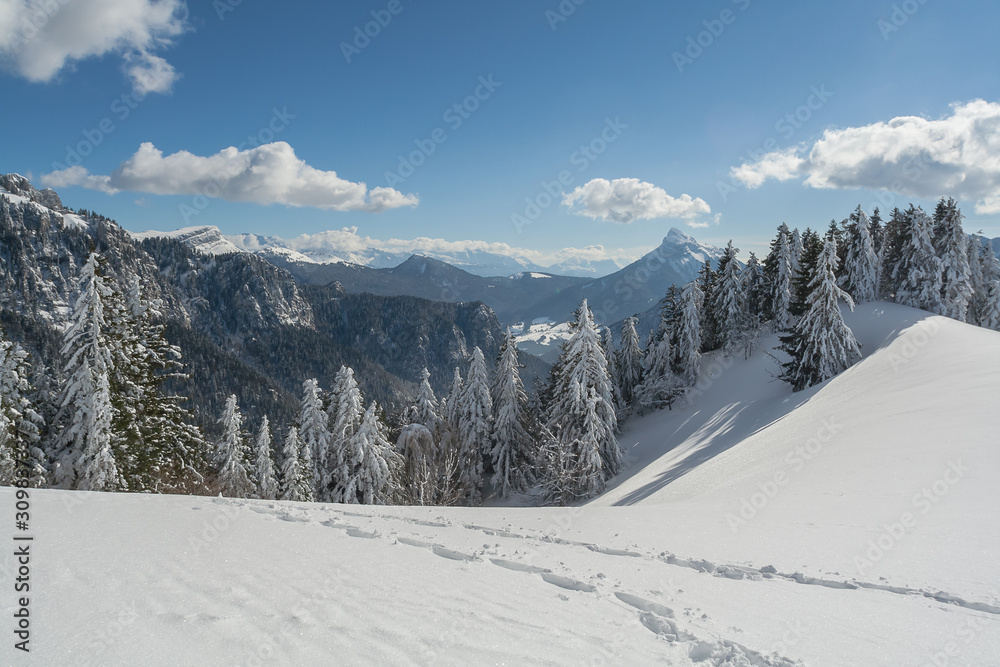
(850, 562)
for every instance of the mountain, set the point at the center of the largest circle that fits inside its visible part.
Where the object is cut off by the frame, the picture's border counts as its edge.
(245, 326)
(634, 289)
(848, 524)
(345, 246)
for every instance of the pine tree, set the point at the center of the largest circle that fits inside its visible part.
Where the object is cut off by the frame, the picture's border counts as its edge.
(582, 412)
(611, 355)
(861, 271)
(757, 303)
(798, 249)
(629, 360)
(314, 437)
(990, 317)
(231, 454)
(20, 422)
(821, 345)
(707, 279)
(426, 409)
(894, 237)
(86, 459)
(294, 480)
(513, 449)
(952, 249)
(918, 271)
(475, 418)
(345, 415)
(267, 485)
(372, 461)
(977, 281)
(729, 302)
(689, 334)
(779, 272)
(812, 246)
(877, 232)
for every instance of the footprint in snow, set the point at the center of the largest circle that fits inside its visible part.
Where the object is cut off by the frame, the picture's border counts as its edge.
(567, 583)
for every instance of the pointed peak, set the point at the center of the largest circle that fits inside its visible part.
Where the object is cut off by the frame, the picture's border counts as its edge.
(677, 237)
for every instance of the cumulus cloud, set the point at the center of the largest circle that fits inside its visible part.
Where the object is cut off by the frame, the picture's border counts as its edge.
(626, 199)
(267, 174)
(41, 38)
(958, 155)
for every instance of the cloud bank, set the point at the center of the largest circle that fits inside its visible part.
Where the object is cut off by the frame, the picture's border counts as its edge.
(958, 155)
(267, 174)
(41, 38)
(624, 200)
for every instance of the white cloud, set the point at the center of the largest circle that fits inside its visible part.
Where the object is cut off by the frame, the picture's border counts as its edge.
(626, 199)
(268, 174)
(958, 155)
(40, 38)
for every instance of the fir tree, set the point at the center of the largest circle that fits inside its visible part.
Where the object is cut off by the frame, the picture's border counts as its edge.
(611, 355)
(728, 302)
(798, 249)
(990, 317)
(314, 437)
(812, 246)
(952, 250)
(582, 412)
(918, 271)
(861, 277)
(294, 480)
(267, 485)
(821, 345)
(20, 422)
(629, 360)
(475, 417)
(345, 415)
(689, 334)
(778, 269)
(977, 281)
(707, 279)
(513, 449)
(231, 454)
(894, 238)
(754, 286)
(426, 409)
(371, 459)
(86, 459)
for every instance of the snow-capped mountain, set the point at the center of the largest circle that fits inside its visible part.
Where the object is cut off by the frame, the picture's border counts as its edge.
(346, 247)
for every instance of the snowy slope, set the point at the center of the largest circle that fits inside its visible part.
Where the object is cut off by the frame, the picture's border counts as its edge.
(207, 239)
(650, 573)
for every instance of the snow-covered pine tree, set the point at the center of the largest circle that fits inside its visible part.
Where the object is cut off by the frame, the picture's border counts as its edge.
(952, 249)
(314, 437)
(861, 271)
(706, 282)
(798, 248)
(231, 454)
(166, 450)
(877, 231)
(990, 314)
(821, 345)
(688, 353)
(918, 271)
(581, 408)
(755, 289)
(893, 238)
(629, 360)
(426, 408)
(345, 415)
(513, 452)
(267, 484)
(977, 282)
(372, 461)
(294, 480)
(85, 458)
(779, 271)
(611, 355)
(729, 303)
(475, 424)
(812, 246)
(20, 422)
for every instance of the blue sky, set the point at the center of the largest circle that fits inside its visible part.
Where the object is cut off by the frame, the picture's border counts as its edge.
(221, 74)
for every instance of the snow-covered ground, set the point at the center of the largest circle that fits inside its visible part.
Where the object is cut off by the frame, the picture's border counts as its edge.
(850, 524)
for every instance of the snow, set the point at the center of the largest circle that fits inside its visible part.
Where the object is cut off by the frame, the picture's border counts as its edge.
(544, 338)
(206, 239)
(649, 573)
